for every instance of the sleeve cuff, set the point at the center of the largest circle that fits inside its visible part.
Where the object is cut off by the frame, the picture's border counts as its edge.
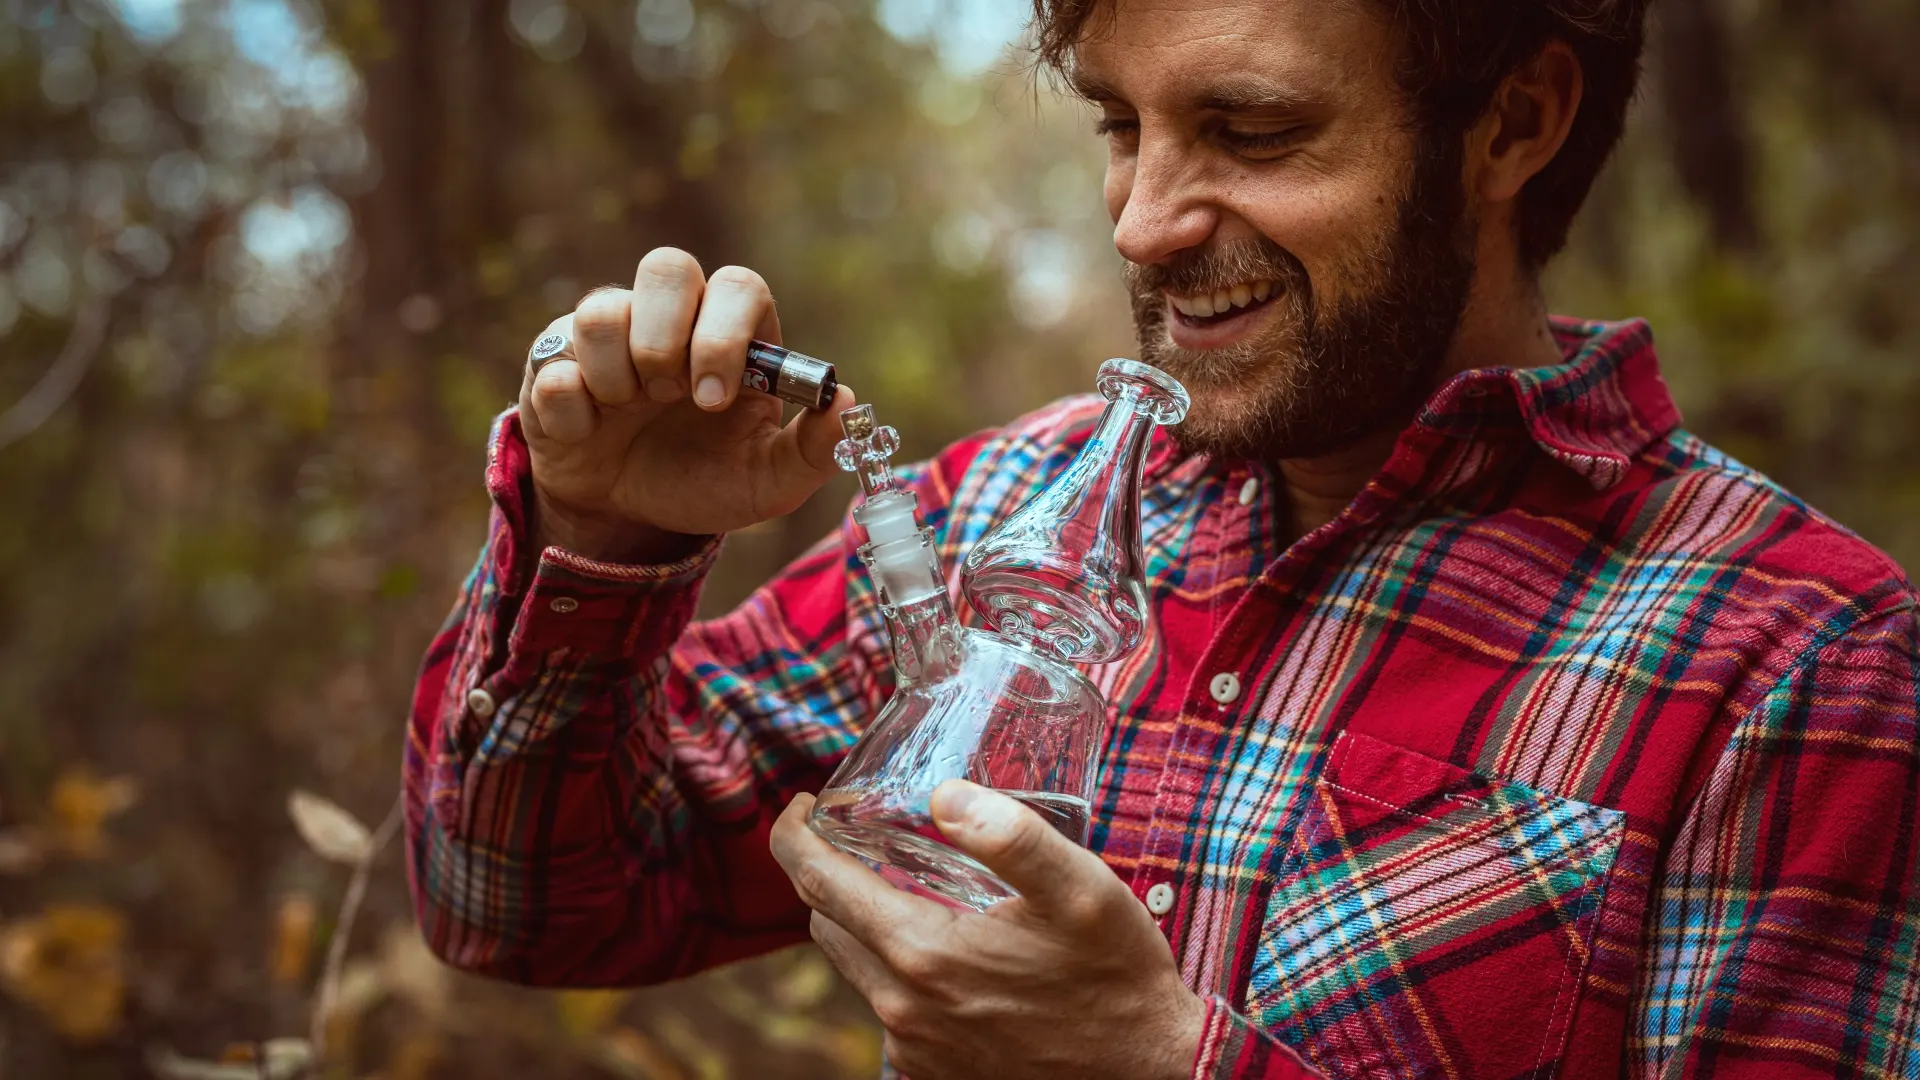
(1231, 1048)
(608, 611)
(590, 609)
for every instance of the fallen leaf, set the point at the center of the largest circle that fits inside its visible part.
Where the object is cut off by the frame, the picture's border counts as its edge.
(583, 1012)
(80, 805)
(858, 1050)
(629, 1054)
(807, 983)
(686, 1043)
(67, 964)
(330, 831)
(274, 1059)
(293, 924)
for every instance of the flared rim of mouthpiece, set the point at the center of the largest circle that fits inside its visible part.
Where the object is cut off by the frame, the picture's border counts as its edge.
(1160, 394)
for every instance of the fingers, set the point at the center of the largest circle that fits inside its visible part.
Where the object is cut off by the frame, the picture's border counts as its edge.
(1053, 874)
(840, 888)
(800, 458)
(563, 407)
(600, 334)
(736, 308)
(857, 963)
(667, 290)
(555, 402)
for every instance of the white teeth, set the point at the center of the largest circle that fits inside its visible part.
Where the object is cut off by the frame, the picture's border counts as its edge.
(1208, 304)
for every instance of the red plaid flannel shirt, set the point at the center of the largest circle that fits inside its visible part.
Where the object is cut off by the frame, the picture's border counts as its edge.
(1571, 748)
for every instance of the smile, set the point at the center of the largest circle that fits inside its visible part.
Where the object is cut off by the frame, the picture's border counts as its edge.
(1212, 320)
(1223, 301)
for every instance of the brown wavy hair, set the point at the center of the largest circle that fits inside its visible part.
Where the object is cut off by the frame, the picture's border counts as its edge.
(1455, 55)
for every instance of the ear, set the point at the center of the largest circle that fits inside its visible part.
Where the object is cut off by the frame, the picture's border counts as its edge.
(1525, 124)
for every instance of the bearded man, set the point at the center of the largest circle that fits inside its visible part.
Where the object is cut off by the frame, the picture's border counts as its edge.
(1492, 724)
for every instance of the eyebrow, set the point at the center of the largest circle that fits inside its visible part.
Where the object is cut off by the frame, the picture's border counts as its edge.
(1091, 89)
(1244, 94)
(1253, 95)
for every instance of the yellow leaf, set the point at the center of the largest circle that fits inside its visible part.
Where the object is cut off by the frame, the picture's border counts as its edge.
(807, 983)
(856, 1049)
(331, 832)
(293, 938)
(81, 804)
(679, 1034)
(67, 964)
(583, 1012)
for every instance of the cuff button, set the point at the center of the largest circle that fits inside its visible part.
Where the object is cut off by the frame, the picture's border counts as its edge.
(481, 703)
(561, 605)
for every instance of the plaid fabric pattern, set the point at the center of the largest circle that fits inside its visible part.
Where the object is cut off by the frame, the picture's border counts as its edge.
(1571, 748)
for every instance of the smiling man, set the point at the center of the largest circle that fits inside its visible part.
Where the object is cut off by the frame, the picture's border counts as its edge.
(1492, 725)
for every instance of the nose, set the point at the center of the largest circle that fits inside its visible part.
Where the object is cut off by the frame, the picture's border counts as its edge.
(1160, 211)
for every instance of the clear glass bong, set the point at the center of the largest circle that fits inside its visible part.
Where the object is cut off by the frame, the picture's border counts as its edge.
(1060, 582)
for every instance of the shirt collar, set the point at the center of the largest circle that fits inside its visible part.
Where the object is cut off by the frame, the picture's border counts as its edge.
(1594, 412)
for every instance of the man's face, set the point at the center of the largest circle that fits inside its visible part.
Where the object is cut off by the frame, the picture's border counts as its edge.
(1297, 257)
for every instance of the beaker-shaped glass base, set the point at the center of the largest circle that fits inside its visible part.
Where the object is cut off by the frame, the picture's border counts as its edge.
(1006, 718)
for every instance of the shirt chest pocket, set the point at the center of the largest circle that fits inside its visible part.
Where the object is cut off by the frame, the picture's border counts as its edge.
(1429, 922)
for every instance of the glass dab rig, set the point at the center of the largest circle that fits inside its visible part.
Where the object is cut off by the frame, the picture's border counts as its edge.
(1060, 582)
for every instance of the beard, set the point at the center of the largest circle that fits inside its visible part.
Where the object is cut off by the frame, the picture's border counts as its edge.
(1321, 375)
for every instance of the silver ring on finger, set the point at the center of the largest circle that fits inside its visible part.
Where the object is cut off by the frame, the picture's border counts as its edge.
(555, 344)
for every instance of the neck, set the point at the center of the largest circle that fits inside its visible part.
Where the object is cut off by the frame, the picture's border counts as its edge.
(1503, 325)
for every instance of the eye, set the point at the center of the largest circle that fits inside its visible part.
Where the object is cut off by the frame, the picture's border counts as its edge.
(1117, 127)
(1259, 142)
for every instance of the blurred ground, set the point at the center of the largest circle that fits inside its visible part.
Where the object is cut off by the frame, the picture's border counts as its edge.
(267, 267)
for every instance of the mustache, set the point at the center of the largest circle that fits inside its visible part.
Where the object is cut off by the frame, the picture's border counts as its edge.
(1222, 267)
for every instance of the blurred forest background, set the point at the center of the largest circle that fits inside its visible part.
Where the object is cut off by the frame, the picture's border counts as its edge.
(267, 267)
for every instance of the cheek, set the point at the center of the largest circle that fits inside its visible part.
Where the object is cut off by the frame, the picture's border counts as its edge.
(1332, 227)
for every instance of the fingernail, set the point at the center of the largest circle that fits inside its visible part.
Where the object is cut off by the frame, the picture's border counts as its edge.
(663, 389)
(710, 391)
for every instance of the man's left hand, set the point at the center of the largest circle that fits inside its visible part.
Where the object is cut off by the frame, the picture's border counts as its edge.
(1069, 979)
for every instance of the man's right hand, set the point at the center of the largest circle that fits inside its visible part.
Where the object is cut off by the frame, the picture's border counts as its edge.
(647, 440)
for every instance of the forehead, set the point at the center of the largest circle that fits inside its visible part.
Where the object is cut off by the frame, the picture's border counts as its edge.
(1182, 53)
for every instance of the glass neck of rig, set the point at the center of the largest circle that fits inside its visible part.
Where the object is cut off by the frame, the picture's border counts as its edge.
(1064, 574)
(899, 555)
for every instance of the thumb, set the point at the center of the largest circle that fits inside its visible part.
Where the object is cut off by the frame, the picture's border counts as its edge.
(801, 457)
(1017, 844)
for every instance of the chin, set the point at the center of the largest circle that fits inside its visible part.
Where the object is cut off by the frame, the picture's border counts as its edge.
(1227, 420)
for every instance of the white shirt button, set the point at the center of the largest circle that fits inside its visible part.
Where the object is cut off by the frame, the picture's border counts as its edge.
(560, 605)
(1160, 899)
(481, 703)
(1225, 687)
(1249, 489)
